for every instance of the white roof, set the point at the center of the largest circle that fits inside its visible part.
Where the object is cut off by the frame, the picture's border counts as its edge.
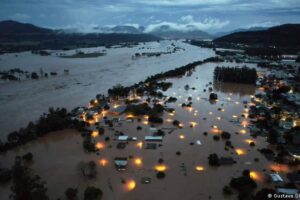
(153, 129)
(276, 178)
(153, 137)
(123, 137)
(121, 162)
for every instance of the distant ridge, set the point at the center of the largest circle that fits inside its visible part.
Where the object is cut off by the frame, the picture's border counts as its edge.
(17, 36)
(221, 34)
(14, 27)
(284, 36)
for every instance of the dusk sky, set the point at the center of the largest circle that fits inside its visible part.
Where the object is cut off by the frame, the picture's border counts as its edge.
(207, 15)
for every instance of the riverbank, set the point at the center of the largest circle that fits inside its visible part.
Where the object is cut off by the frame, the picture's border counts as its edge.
(26, 101)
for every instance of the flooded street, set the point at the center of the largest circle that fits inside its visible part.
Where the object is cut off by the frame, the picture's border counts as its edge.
(26, 100)
(57, 155)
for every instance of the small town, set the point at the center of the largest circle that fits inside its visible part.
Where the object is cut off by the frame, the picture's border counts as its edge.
(149, 100)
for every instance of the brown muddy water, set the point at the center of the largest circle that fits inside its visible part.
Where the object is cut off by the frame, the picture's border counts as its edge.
(24, 101)
(188, 176)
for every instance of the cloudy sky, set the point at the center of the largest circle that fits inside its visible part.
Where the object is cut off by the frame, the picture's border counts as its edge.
(208, 15)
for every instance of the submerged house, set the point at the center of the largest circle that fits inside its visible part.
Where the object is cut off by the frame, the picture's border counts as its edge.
(276, 178)
(286, 123)
(121, 163)
(126, 138)
(154, 138)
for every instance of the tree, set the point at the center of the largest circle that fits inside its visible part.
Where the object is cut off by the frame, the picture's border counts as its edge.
(26, 186)
(213, 159)
(93, 193)
(235, 74)
(71, 193)
(225, 135)
(160, 175)
(34, 75)
(213, 96)
(28, 156)
(272, 136)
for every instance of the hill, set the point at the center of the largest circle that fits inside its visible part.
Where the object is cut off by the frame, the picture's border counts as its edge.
(284, 37)
(16, 36)
(221, 34)
(13, 27)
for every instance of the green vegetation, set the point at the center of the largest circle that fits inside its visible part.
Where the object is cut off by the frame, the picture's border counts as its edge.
(26, 185)
(28, 156)
(84, 55)
(88, 144)
(5, 175)
(284, 38)
(19, 37)
(155, 119)
(213, 159)
(119, 91)
(235, 74)
(180, 71)
(244, 184)
(55, 120)
(225, 135)
(213, 96)
(139, 109)
(93, 193)
(160, 175)
(71, 193)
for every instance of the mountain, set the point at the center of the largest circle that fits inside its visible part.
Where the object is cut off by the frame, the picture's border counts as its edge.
(221, 34)
(16, 36)
(13, 27)
(191, 32)
(284, 36)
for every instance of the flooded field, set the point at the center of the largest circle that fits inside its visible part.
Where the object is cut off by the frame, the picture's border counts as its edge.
(26, 100)
(57, 155)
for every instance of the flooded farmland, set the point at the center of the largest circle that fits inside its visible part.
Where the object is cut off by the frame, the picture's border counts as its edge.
(24, 101)
(57, 155)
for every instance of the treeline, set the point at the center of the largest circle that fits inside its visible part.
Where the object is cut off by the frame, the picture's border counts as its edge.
(180, 71)
(57, 41)
(235, 74)
(55, 120)
(59, 119)
(200, 43)
(264, 52)
(151, 81)
(25, 184)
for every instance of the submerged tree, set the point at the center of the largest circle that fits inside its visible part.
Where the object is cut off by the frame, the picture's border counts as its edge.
(235, 74)
(26, 185)
(92, 193)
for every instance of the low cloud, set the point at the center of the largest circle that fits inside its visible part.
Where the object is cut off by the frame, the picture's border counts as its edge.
(188, 23)
(182, 2)
(20, 17)
(265, 24)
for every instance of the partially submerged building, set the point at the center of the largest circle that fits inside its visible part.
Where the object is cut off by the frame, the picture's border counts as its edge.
(121, 163)
(154, 138)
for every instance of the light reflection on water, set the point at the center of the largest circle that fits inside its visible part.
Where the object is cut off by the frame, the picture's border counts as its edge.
(178, 140)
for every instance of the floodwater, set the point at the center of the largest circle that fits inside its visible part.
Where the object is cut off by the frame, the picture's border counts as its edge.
(57, 155)
(26, 100)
